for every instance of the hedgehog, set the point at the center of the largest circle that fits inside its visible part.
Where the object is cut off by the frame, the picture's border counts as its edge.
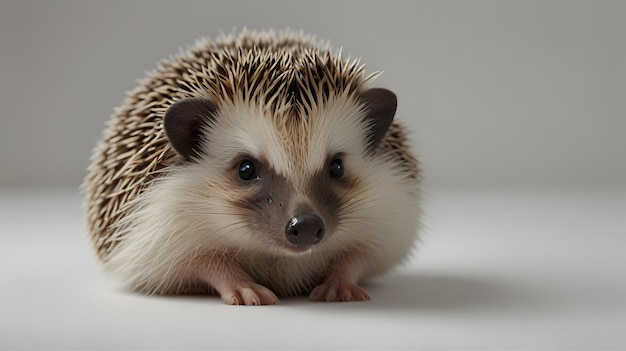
(255, 166)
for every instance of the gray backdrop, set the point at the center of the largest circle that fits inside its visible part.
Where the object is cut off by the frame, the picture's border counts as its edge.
(496, 92)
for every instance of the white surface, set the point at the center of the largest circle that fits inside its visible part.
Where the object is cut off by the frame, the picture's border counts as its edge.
(522, 92)
(530, 268)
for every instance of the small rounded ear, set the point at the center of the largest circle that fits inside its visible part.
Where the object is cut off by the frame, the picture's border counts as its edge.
(183, 123)
(380, 108)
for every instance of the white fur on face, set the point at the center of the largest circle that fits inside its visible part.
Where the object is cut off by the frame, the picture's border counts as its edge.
(336, 127)
(244, 130)
(293, 150)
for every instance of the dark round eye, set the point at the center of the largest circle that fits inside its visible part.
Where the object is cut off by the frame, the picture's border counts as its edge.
(246, 170)
(336, 168)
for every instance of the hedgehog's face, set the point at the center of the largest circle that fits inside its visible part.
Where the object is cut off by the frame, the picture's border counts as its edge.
(287, 180)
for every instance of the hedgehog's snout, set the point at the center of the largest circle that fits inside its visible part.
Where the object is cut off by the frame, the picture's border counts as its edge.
(305, 229)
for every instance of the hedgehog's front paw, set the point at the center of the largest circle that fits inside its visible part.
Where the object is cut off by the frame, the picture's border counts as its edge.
(250, 294)
(338, 292)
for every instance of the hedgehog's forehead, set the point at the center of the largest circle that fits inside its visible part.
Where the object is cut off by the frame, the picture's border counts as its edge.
(296, 147)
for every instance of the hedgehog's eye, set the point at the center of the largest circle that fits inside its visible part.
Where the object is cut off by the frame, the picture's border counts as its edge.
(247, 170)
(336, 168)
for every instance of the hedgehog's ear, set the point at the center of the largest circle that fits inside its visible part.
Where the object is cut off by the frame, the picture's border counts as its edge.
(183, 123)
(380, 108)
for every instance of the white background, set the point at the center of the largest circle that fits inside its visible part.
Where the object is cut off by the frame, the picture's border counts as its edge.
(517, 111)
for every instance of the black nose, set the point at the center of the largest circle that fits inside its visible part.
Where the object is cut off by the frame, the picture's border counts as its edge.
(305, 229)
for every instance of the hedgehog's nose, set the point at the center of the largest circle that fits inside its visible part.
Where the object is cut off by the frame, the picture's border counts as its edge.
(305, 229)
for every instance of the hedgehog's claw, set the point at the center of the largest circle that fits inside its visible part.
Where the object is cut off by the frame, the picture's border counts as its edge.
(249, 294)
